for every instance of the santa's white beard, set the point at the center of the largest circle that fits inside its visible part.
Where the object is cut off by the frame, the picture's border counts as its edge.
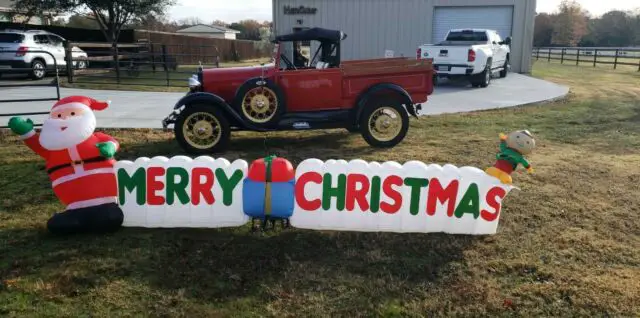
(79, 128)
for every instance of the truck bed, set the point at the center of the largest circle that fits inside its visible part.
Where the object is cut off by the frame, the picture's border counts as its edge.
(414, 76)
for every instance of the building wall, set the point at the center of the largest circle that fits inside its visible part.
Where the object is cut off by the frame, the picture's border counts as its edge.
(374, 26)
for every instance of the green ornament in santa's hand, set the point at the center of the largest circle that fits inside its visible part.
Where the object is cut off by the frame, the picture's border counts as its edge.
(20, 126)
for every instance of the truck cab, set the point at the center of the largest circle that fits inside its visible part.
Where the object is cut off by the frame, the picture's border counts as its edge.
(475, 54)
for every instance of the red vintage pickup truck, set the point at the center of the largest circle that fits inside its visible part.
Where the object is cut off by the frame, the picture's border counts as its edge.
(374, 97)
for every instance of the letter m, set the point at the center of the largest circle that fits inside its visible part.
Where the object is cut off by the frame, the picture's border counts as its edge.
(443, 195)
(136, 182)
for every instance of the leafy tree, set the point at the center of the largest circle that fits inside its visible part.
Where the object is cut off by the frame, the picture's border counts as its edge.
(82, 21)
(570, 25)
(543, 30)
(249, 29)
(110, 15)
(615, 28)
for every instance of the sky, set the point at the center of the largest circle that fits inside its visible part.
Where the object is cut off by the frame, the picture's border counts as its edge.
(235, 10)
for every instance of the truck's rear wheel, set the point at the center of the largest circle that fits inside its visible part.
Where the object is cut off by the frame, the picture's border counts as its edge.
(483, 79)
(384, 123)
(202, 129)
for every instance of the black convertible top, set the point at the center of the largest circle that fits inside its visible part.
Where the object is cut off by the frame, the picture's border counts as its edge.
(317, 34)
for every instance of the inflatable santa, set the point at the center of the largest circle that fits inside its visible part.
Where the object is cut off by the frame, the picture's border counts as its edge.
(80, 164)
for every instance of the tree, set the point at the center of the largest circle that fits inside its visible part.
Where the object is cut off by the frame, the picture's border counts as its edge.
(82, 21)
(110, 15)
(570, 25)
(543, 30)
(189, 22)
(219, 23)
(249, 29)
(615, 28)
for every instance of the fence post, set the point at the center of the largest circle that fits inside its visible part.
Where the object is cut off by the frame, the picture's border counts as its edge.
(116, 59)
(69, 58)
(562, 57)
(537, 54)
(164, 62)
(152, 52)
(577, 56)
(549, 57)
(595, 57)
(615, 62)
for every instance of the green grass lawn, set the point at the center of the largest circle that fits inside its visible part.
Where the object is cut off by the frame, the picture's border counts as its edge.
(568, 243)
(146, 79)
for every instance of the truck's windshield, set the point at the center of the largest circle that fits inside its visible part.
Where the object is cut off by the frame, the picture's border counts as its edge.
(467, 36)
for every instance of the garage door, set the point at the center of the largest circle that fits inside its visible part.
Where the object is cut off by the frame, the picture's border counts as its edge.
(499, 18)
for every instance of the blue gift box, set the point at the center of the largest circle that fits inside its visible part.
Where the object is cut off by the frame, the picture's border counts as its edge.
(254, 196)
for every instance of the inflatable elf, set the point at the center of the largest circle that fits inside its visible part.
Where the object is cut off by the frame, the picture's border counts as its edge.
(513, 148)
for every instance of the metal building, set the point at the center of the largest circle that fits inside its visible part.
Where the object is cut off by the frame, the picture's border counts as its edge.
(378, 26)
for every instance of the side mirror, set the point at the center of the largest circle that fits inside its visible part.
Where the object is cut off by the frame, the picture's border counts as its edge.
(507, 41)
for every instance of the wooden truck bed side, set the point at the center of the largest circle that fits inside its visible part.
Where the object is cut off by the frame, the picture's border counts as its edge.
(415, 76)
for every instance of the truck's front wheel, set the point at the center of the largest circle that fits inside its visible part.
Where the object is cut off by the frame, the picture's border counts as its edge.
(202, 129)
(384, 123)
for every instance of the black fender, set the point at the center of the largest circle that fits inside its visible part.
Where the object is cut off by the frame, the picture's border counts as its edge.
(214, 101)
(372, 91)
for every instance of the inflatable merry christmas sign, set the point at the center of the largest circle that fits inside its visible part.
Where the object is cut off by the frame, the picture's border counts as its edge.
(331, 195)
(101, 194)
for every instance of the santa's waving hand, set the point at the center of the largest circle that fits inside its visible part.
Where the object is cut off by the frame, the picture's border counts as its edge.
(80, 164)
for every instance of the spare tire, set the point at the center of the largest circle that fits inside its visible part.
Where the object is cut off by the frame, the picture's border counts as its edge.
(260, 102)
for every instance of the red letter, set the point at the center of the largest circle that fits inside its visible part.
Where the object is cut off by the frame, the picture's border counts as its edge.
(354, 194)
(443, 195)
(153, 185)
(492, 196)
(199, 187)
(300, 198)
(392, 193)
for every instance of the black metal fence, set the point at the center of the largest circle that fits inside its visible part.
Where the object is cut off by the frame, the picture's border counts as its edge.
(139, 64)
(37, 97)
(592, 56)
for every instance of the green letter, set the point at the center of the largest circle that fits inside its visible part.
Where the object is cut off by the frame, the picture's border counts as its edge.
(137, 181)
(470, 202)
(339, 192)
(179, 189)
(416, 184)
(375, 194)
(228, 184)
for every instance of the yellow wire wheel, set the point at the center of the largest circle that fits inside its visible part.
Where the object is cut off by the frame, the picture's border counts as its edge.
(202, 128)
(385, 124)
(260, 104)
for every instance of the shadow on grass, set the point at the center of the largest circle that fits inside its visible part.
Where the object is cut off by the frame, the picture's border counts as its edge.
(222, 265)
(295, 146)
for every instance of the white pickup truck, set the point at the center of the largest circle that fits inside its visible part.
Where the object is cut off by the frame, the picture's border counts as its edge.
(472, 53)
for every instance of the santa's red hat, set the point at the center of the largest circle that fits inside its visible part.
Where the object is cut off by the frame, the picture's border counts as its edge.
(84, 102)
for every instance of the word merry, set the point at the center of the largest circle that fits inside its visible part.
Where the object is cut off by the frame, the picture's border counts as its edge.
(357, 192)
(168, 185)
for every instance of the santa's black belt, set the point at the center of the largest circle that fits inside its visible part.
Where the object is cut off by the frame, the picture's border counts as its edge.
(75, 163)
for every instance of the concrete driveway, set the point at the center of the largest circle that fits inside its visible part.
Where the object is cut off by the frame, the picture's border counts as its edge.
(147, 109)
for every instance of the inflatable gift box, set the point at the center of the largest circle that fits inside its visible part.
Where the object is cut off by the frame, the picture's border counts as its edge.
(268, 190)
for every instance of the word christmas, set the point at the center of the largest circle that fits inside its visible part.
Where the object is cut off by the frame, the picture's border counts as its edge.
(331, 195)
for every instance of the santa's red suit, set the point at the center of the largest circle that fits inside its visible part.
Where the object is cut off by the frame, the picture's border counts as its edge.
(80, 164)
(79, 175)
